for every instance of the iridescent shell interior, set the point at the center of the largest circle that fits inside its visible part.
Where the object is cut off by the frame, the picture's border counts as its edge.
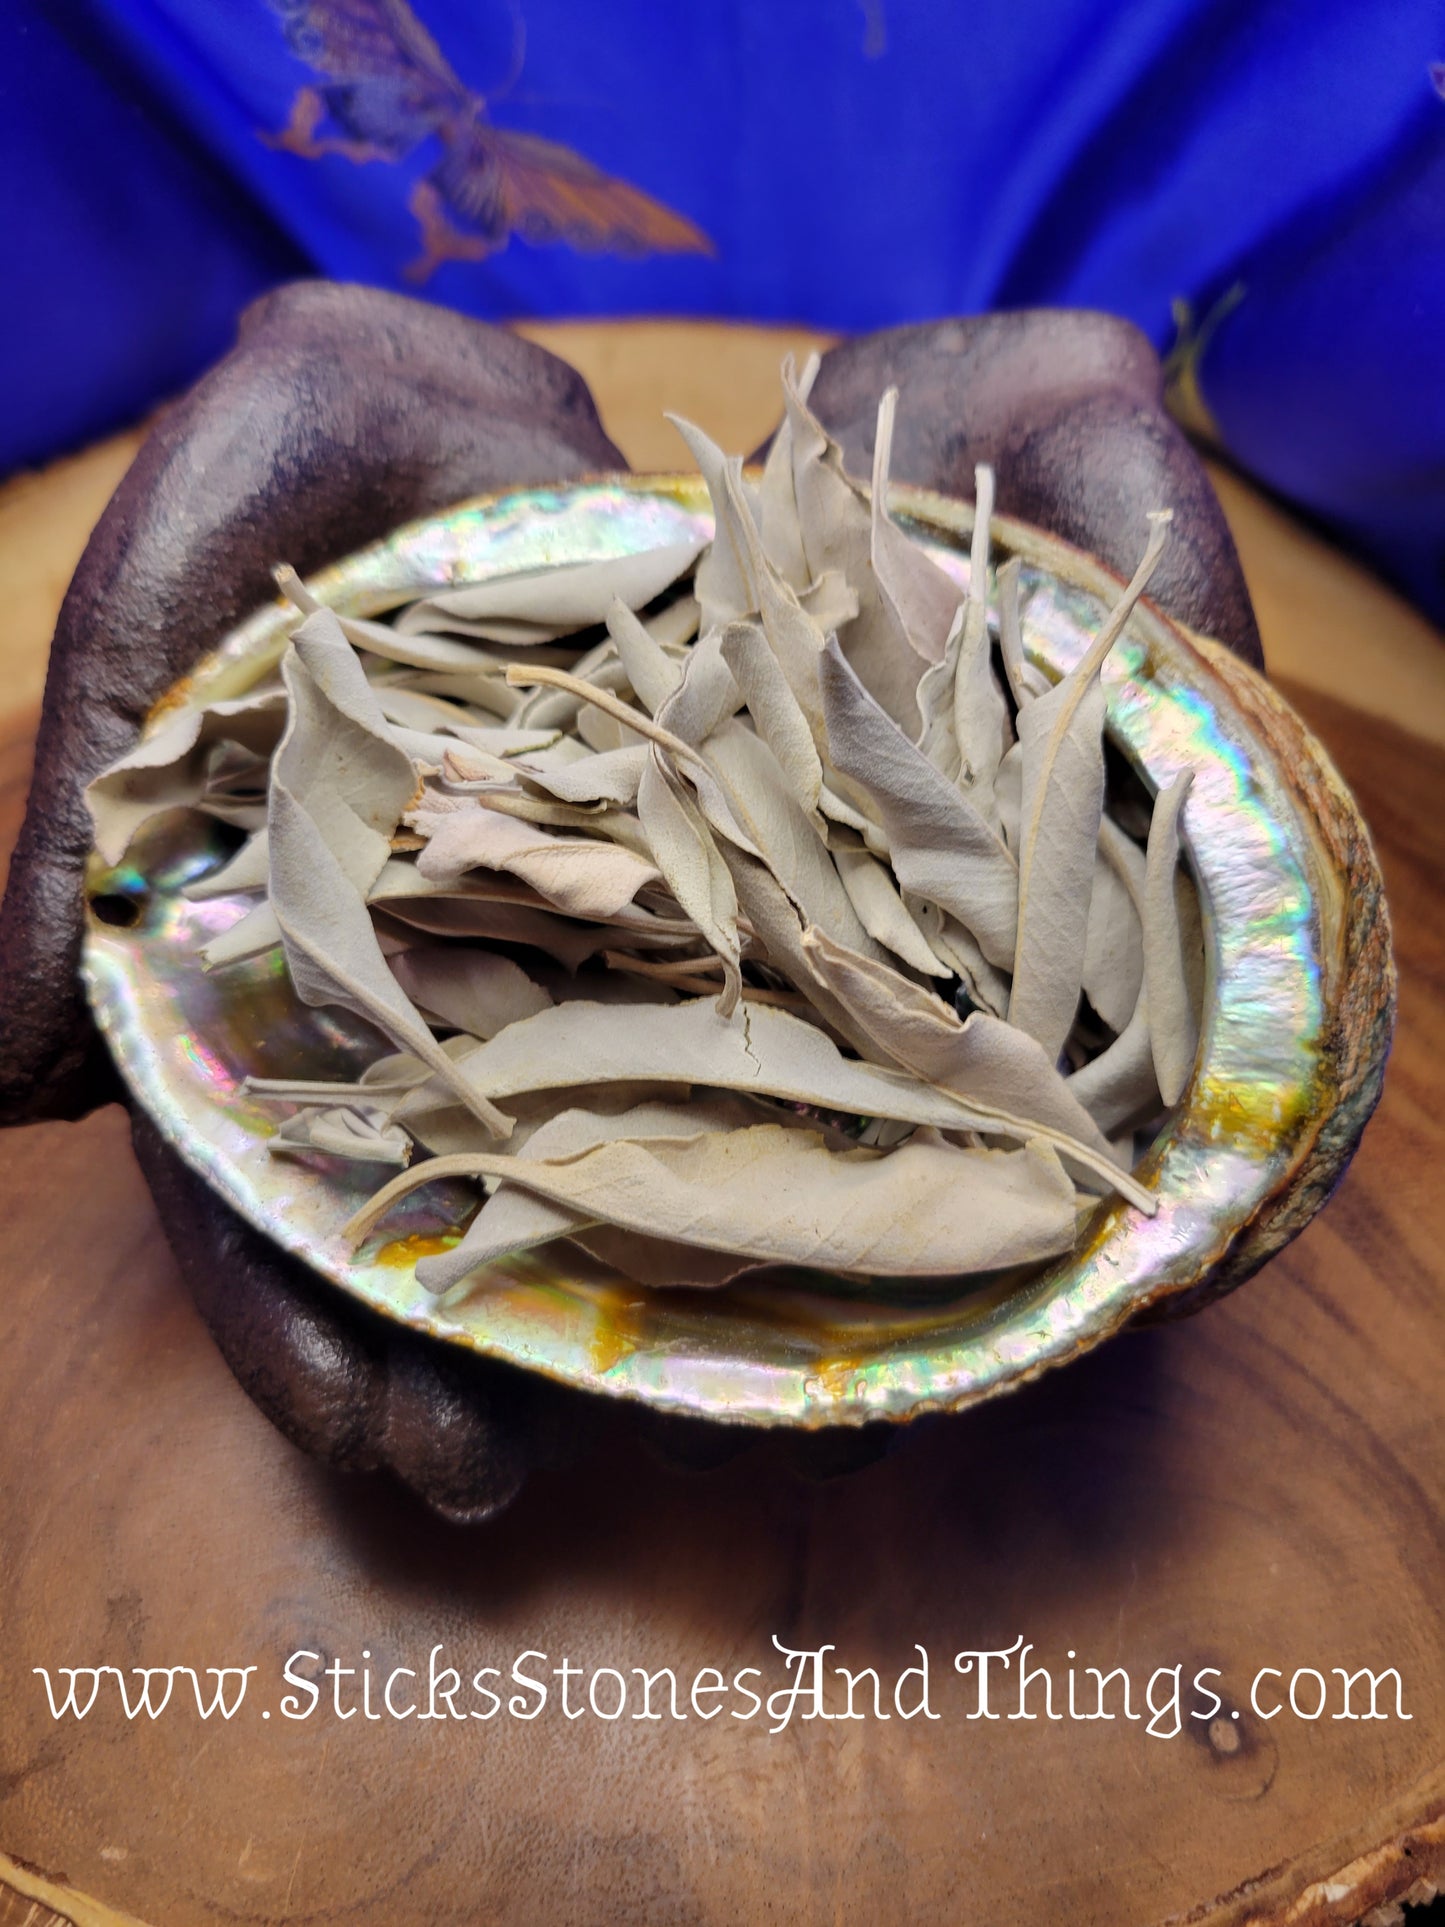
(797, 1348)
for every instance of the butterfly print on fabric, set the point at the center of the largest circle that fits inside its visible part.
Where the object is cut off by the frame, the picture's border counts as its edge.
(386, 87)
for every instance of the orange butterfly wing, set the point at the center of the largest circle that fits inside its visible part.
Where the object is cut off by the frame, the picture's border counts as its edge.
(511, 183)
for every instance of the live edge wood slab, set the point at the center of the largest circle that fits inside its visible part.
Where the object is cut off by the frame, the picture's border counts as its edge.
(1260, 1486)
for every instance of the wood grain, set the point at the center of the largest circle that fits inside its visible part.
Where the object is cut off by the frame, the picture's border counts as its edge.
(17, 735)
(44, 522)
(1260, 1486)
(28, 1899)
(723, 378)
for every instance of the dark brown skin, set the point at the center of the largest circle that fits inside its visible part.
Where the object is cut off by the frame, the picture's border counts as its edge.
(341, 413)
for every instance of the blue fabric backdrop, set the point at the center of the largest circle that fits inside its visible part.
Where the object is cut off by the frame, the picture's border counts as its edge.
(1259, 184)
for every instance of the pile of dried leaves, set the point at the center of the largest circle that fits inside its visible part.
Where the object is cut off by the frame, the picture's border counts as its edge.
(780, 922)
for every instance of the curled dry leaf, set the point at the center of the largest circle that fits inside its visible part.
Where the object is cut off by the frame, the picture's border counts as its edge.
(920, 598)
(1025, 679)
(768, 1052)
(777, 503)
(991, 1065)
(766, 913)
(514, 1219)
(653, 673)
(540, 605)
(359, 1132)
(883, 913)
(1113, 972)
(1119, 1086)
(778, 829)
(926, 1209)
(476, 991)
(941, 847)
(1172, 1028)
(166, 770)
(581, 877)
(1061, 739)
(723, 585)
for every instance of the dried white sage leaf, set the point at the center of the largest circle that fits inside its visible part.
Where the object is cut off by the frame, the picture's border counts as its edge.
(774, 709)
(580, 877)
(247, 870)
(652, 672)
(611, 777)
(164, 770)
(663, 1263)
(983, 986)
(760, 1051)
(921, 598)
(1113, 946)
(1171, 1012)
(1061, 737)
(538, 605)
(1119, 1086)
(883, 914)
(722, 585)
(688, 857)
(777, 504)
(1025, 679)
(356, 1131)
(987, 1063)
(927, 1209)
(834, 517)
(514, 1220)
(777, 827)
(941, 847)
(476, 991)
(1062, 748)
(676, 623)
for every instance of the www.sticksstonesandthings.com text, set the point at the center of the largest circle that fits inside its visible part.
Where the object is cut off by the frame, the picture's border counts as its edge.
(1006, 1683)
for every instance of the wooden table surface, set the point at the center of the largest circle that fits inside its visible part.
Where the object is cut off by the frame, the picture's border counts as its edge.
(1260, 1486)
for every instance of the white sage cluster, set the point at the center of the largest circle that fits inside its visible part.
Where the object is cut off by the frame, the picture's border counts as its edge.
(730, 907)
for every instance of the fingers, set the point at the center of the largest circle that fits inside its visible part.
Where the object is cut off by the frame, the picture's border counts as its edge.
(339, 1381)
